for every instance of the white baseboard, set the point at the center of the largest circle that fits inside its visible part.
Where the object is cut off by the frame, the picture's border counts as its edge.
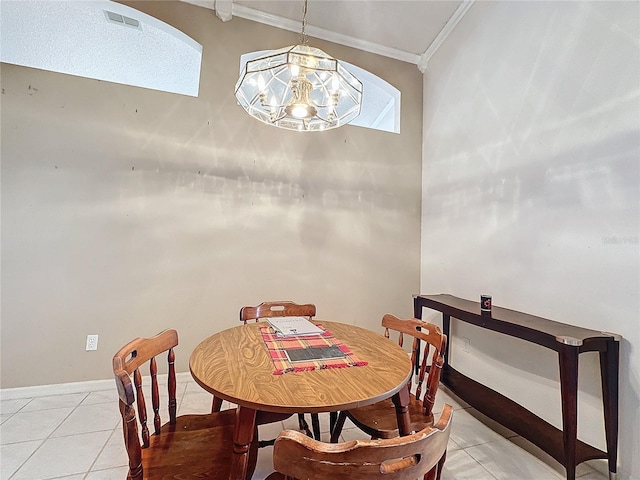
(74, 387)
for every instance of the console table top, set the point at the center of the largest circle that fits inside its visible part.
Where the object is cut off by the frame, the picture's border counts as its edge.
(509, 321)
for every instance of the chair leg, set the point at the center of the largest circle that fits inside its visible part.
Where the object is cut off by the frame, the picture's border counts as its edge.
(216, 405)
(431, 474)
(441, 465)
(337, 428)
(333, 416)
(266, 443)
(315, 424)
(304, 426)
(436, 472)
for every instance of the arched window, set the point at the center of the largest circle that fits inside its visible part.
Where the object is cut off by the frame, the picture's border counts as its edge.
(106, 41)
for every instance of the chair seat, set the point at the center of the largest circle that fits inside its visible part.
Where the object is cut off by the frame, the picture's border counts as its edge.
(380, 421)
(197, 446)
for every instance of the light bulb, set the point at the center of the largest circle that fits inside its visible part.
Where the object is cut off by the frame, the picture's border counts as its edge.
(300, 111)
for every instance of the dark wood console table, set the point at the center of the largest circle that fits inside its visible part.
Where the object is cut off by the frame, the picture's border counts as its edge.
(569, 341)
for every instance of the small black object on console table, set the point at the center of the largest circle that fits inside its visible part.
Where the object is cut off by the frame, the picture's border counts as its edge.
(569, 341)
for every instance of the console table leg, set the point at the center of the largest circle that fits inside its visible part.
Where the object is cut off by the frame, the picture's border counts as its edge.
(417, 313)
(446, 329)
(609, 376)
(568, 361)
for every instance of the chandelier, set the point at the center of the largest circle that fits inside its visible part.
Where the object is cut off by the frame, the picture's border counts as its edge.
(299, 88)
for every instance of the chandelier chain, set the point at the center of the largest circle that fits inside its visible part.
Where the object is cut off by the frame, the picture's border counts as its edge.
(303, 35)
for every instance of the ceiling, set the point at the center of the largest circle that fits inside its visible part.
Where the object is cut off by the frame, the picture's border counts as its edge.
(407, 30)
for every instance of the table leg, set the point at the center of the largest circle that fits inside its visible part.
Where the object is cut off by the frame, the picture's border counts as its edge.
(609, 376)
(401, 401)
(242, 438)
(568, 357)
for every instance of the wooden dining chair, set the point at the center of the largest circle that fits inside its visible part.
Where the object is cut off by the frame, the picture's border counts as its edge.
(420, 455)
(270, 310)
(379, 420)
(188, 446)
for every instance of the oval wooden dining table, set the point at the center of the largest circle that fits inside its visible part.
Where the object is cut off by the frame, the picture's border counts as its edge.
(235, 365)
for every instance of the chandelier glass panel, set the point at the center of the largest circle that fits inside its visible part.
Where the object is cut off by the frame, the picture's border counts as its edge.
(299, 88)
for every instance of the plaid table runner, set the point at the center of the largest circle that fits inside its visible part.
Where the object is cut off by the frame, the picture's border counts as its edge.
(277, 346)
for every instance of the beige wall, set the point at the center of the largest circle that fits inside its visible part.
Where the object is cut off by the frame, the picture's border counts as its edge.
(126, 211)
(532, 194)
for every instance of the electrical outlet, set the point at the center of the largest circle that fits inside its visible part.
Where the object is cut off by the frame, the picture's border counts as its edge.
(92, 342)
(465, 346)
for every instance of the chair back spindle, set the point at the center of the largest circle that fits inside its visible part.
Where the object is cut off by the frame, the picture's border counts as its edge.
(422, 370)
(173, 404)
(155, 395)
(142, 407)
(433, 380)
(414, 358)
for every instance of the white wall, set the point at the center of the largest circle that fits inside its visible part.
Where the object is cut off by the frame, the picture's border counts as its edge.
(531, 193)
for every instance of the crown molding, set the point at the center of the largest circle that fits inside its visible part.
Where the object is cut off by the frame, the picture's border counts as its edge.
(322, 34)
(444, 34)
(226, 9)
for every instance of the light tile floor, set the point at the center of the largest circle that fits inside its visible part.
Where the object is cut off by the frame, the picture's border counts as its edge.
(78, 437)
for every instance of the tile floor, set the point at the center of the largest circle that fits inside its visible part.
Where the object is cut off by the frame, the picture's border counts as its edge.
(77, 436)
